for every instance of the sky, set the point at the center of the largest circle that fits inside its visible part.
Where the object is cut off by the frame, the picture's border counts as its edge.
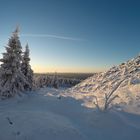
(73, 35)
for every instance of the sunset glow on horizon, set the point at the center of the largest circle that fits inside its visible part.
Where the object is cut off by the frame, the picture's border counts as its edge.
(49, 69)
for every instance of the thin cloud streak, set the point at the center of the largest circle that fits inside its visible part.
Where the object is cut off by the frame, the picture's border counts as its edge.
(51, 36)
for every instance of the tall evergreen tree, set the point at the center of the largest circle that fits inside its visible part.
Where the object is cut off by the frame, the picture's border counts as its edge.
(26, 69)
(12, 80)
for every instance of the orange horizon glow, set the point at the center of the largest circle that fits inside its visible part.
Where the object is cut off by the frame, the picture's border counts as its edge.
(52, 69)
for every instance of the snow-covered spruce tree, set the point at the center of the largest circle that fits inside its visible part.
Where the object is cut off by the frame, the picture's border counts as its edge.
(12, 80)
(26, 69)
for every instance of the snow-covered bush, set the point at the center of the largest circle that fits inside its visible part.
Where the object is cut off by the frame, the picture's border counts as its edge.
(108, 99)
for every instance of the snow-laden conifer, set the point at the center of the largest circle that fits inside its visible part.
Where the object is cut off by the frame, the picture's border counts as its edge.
(26, 69)
(12, 80)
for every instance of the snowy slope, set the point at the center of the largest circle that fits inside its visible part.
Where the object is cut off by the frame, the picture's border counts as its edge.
(101, 83)
(42, 116)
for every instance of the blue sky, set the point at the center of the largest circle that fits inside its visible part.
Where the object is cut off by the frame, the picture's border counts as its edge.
(73, 35)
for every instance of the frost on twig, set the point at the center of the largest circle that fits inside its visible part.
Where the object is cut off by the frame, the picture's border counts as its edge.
(108, 98)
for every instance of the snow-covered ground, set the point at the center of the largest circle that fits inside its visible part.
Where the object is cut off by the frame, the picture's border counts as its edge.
(44, 115)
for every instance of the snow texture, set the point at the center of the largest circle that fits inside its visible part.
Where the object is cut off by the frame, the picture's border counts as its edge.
(38, 115)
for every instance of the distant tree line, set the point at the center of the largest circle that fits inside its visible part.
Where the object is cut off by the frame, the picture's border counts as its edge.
(55, 81)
